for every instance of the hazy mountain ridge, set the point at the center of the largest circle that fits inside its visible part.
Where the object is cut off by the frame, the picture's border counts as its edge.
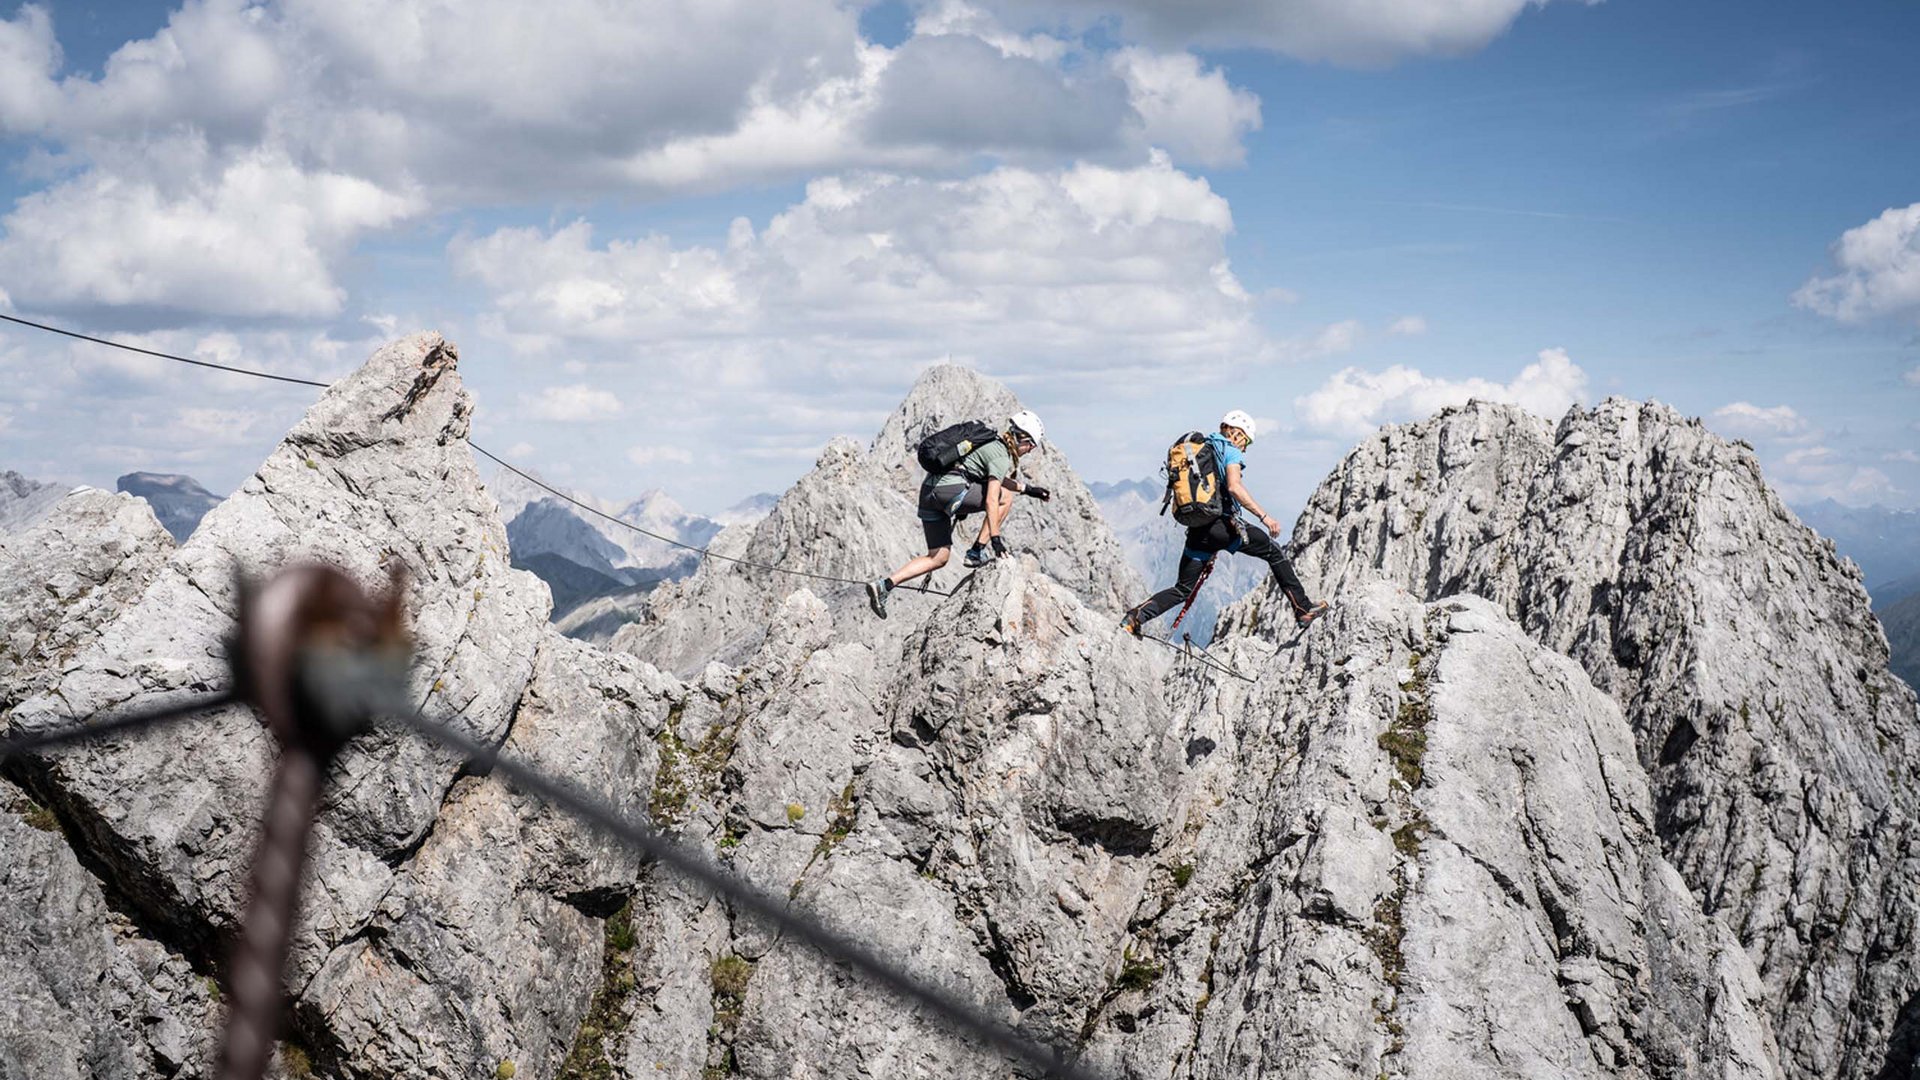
(1884, 543)
(178, 501)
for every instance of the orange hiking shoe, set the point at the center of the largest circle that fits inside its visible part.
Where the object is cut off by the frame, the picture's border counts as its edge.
(1313, 612)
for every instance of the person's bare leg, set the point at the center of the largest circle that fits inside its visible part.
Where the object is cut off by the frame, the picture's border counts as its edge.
(925, 564)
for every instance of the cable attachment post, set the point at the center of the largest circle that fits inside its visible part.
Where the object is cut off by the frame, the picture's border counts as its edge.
(314, 654)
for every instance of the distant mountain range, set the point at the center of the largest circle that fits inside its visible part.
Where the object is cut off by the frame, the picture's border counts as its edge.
(597, 569)
(1885, 543)
(178, 501)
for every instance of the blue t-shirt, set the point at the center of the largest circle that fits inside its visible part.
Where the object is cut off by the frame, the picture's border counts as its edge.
(1225, 453)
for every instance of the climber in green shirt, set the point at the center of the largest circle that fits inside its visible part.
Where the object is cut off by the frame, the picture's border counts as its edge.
(983, 480)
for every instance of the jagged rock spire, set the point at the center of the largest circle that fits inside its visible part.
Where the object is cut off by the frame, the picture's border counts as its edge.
(1785, 758)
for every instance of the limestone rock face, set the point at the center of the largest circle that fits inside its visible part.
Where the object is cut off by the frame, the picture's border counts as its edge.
(1740, 647)
(499, 905)
(486, 947)
(24, 502)
(1419, 845)
(82, 993)
(376, 476)
(68, 575)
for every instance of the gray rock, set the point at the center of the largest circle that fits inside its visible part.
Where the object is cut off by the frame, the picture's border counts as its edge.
(853, 518)
(1739, 645)
(1420, 845)
(1430, 837)
(487, 946)
(376, 475)
(24, 502)
(90, 557)
(83, 994)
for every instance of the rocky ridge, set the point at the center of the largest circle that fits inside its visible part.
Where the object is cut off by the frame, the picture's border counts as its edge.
(24, 501)
(1416, 841)
(1739, 645)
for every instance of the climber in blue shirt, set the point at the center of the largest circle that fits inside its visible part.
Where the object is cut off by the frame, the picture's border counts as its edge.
(1228, 533)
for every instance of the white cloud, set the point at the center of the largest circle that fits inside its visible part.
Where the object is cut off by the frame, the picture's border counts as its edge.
(1407, 326)
(1355, 32)
(497, 99)
(654, 455)
(1879, 270)
(1088, 264)
(576, 403)
(251, 235)
(1354, 402)
(229, 163)
(1904, 457)
(1912, 377)
(1812, 473)
(1747, 421)
(1190, 111)
(161, 416)
(520, 451)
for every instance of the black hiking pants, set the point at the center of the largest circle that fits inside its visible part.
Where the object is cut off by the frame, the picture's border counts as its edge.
(1206, 542)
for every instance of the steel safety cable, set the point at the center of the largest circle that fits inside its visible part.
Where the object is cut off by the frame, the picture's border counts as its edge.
(35, 741)
(707, 553)
(777, 911)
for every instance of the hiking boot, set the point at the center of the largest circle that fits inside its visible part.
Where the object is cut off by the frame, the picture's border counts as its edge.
(976, 557)
(1131, 624)
(877, 591)
(1313, 612)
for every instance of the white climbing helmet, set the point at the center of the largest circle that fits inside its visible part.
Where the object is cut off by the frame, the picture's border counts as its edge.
(1026, 423)
(1239, 418)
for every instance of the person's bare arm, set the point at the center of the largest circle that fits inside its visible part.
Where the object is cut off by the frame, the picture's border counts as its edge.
(994, 515)
(1240, 495)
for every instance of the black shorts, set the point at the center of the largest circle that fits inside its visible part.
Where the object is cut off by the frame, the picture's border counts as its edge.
(941, 506)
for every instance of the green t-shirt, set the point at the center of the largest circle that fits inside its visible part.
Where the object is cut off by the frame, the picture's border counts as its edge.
(992, 461)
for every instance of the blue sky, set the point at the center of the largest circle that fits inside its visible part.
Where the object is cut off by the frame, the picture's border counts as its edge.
(683, 249)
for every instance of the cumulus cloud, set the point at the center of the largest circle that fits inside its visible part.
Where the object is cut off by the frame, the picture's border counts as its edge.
(165, 417)
(1363, 34)
(1748, 421)
(1354, 402)
(250, 235)
(254, 144)
(963, 94)
(1407, 326)
(576, 403)
(1811, 473)
(1878, 270)
(495, 99)
(1911, 378)
(1187, 109)
(1088, 264)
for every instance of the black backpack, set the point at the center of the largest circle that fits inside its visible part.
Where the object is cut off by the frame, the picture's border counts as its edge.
(942, 450)
(1196, 485)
